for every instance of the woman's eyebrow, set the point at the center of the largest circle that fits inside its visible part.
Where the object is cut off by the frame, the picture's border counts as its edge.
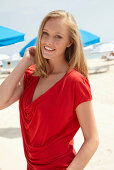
(45, 30)
(59, 33)
(54, 32)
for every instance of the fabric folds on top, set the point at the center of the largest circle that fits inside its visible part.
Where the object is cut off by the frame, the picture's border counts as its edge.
(49, 123)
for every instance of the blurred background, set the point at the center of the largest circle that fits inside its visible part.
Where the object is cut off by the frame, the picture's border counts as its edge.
(95, 16)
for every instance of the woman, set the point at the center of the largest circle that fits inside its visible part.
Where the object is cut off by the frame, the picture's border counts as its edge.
(51, 83)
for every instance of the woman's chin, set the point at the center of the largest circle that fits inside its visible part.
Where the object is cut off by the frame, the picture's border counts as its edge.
(47, 57)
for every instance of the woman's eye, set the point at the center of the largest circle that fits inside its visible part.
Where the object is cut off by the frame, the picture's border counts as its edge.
(44, 33)
(58, 36)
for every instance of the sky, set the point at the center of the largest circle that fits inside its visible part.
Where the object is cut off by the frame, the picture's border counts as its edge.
(95, 16)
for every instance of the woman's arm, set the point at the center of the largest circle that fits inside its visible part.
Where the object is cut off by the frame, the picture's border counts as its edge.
(12, 87)
(87, 122)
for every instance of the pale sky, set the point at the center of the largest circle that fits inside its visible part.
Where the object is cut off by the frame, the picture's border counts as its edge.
(95, 16)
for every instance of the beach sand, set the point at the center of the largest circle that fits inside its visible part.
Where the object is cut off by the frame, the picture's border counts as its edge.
(101, 75)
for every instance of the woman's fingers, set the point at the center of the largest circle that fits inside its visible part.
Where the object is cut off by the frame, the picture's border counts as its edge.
(30, 54)
(32, 50)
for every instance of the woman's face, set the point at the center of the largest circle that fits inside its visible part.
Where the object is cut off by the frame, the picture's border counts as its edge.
(55, 39)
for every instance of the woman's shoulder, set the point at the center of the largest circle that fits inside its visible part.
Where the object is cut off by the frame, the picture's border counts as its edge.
(30, 70)
(28, 78)
(76, 76)
(80, 87)
(78, 80)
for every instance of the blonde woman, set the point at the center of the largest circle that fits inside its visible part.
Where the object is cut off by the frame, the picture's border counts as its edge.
(52, 86)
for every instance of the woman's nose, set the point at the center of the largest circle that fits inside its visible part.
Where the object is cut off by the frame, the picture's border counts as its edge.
(50, 41)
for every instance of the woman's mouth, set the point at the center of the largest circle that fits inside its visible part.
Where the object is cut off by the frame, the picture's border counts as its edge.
(48, 49)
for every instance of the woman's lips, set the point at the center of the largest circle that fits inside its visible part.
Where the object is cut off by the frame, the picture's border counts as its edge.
(48, 49)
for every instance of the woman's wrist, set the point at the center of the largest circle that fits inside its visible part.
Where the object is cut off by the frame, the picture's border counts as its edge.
(26, 62)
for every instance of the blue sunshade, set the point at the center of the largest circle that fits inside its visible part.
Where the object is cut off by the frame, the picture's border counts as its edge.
(9, 36)
(86, 37)
(31, 43)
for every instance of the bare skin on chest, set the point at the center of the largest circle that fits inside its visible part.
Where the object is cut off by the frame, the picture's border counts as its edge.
(44, 84)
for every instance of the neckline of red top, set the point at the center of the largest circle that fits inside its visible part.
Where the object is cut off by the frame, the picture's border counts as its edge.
(35, 84)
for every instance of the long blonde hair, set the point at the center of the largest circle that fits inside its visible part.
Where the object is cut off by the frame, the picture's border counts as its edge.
(74, 54)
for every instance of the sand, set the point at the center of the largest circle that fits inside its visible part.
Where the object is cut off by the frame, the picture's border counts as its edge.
(101, 74)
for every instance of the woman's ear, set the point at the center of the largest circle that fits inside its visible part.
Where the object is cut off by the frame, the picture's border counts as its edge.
(70, 43)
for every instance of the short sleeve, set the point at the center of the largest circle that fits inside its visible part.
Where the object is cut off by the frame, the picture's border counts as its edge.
(82, 91)
(28, 76)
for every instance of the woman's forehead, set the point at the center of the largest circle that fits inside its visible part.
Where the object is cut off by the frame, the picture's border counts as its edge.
(56, 25)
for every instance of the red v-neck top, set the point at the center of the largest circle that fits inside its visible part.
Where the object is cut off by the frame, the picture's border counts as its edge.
(49, 123)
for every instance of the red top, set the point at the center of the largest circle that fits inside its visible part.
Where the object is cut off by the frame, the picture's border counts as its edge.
(49, 123)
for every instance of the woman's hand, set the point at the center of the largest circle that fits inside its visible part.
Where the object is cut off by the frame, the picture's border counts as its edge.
(29, 55)
(10, 94)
